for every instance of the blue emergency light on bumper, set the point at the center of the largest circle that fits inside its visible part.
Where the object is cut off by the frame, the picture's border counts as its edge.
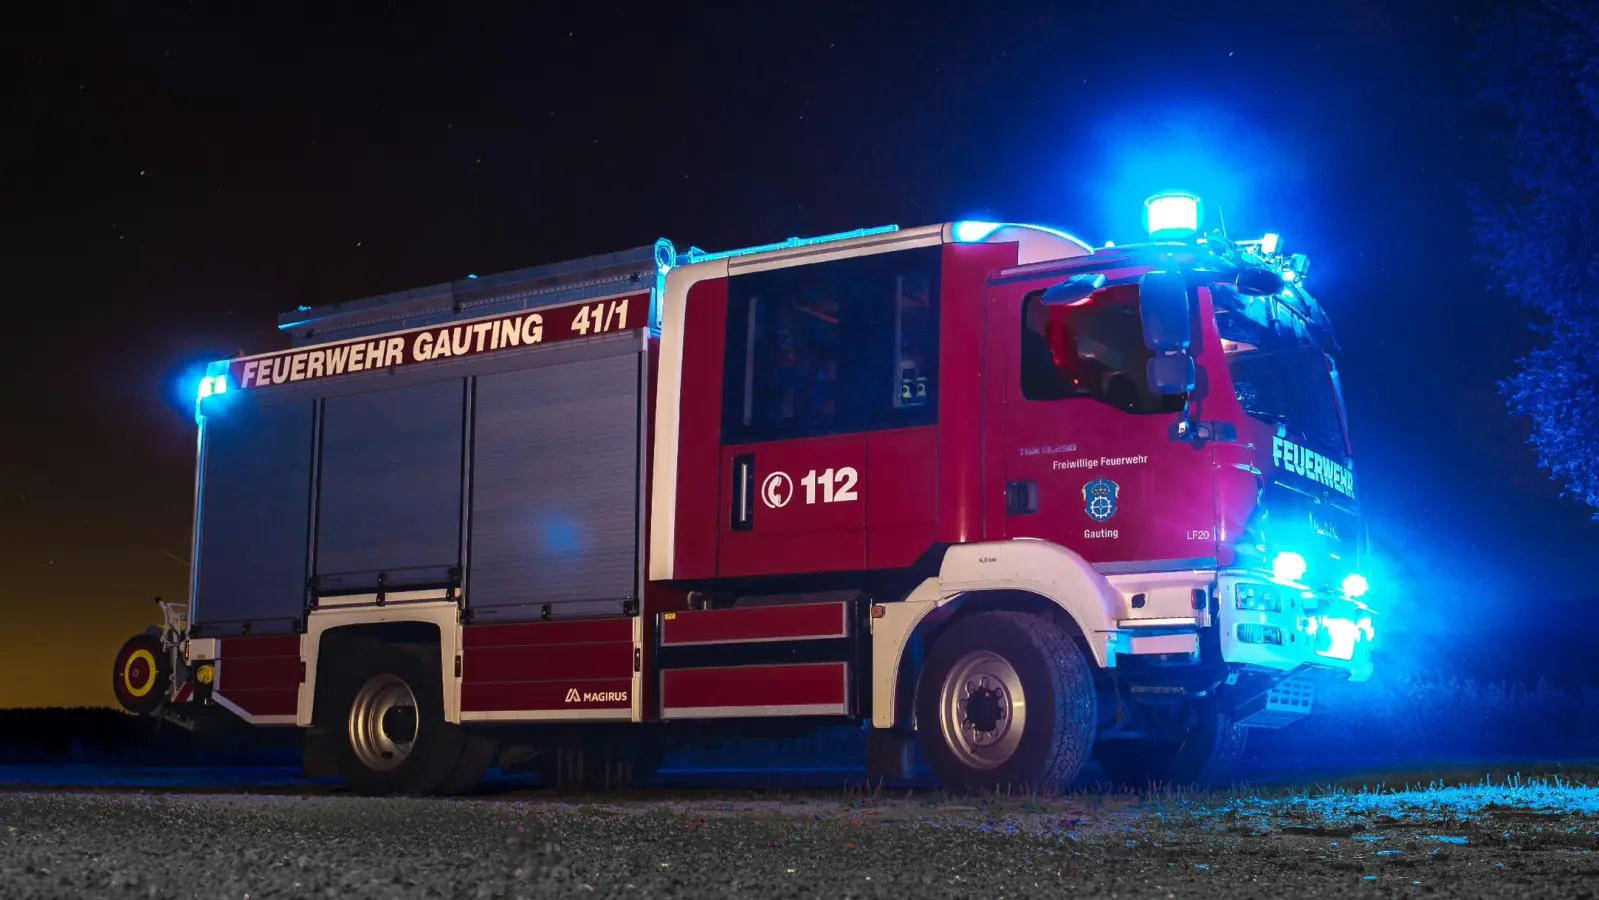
(1271, 625)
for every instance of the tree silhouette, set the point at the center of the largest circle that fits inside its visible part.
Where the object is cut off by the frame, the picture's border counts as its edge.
(1539, 65)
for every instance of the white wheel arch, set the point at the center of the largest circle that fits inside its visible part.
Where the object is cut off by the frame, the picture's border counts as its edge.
(1041, 568)
(443, 613)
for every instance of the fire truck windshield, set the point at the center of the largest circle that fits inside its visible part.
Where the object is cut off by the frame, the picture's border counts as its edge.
(1279, 370)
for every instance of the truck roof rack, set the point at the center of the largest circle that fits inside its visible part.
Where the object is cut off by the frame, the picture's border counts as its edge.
(475, 296)
(555, 283)
(696, 255)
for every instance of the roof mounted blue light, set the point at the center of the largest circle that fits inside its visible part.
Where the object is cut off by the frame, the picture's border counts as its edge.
(1172, 216)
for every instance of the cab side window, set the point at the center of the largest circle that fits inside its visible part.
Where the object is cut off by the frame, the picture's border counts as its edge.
(905, 344)
(832, 348)
(1090, 349)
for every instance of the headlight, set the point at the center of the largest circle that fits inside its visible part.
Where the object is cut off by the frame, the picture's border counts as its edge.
(1258, 597)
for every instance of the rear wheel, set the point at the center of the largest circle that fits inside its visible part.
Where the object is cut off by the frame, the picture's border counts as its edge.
(1006, 701)
(1206, 754)
(388, 729)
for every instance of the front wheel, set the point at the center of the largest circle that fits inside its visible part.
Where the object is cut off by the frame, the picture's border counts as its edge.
(387, 728)
(1006, 700)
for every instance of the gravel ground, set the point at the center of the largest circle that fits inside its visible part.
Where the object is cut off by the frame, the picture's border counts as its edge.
(1516, 839)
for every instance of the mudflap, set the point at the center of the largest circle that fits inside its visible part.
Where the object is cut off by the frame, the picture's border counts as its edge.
(890, 754)
(316, 756)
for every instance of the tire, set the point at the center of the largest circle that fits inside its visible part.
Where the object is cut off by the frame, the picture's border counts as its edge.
(370, 750)
(1038, 744)
(1206, 757)
(141, 676)
(477, 757)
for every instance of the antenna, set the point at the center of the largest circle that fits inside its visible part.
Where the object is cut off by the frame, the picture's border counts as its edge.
(1221, 215)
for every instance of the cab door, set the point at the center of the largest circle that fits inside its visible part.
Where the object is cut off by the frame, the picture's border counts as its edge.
(815, 357)
(1087, 458)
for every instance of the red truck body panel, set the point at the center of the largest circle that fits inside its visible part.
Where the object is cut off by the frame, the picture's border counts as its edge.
(574, 665)
(260, 675)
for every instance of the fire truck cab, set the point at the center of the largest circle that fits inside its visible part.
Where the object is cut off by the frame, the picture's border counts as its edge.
(977, 487)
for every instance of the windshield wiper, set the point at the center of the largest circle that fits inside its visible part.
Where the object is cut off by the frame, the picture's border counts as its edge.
(1278, 418)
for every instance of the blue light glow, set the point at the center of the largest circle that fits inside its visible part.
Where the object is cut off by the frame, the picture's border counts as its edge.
(1290, 275)
(1288, 566)
(212, 385)
(1190, 143)
(1172, 214)
(561, 534)
(198, 391)
(1355, 585)
(1341, 636)
(1269, 244)
(973, 232)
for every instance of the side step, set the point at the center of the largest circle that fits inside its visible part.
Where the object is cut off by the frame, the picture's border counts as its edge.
(1284, 703)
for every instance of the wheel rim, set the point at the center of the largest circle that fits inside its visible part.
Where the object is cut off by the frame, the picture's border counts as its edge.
(982, 710)
(383, 723)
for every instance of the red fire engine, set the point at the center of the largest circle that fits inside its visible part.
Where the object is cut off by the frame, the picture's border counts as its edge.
(977, 487)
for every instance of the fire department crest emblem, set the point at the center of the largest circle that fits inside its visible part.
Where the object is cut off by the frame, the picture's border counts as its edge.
(1099, 499)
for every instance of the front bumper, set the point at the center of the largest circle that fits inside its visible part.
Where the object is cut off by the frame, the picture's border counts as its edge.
(1289, 626)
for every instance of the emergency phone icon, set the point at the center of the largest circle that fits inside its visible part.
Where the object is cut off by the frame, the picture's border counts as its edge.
(777, 490)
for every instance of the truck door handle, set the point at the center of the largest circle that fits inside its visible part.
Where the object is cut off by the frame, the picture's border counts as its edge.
(1021, 498)
(743, 492)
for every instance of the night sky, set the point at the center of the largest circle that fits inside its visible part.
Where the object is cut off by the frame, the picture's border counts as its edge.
(177, 176)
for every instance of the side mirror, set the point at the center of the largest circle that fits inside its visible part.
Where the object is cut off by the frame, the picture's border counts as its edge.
(1163, 307)
(1073, 289)
(1170, 375)
(1259, 282)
